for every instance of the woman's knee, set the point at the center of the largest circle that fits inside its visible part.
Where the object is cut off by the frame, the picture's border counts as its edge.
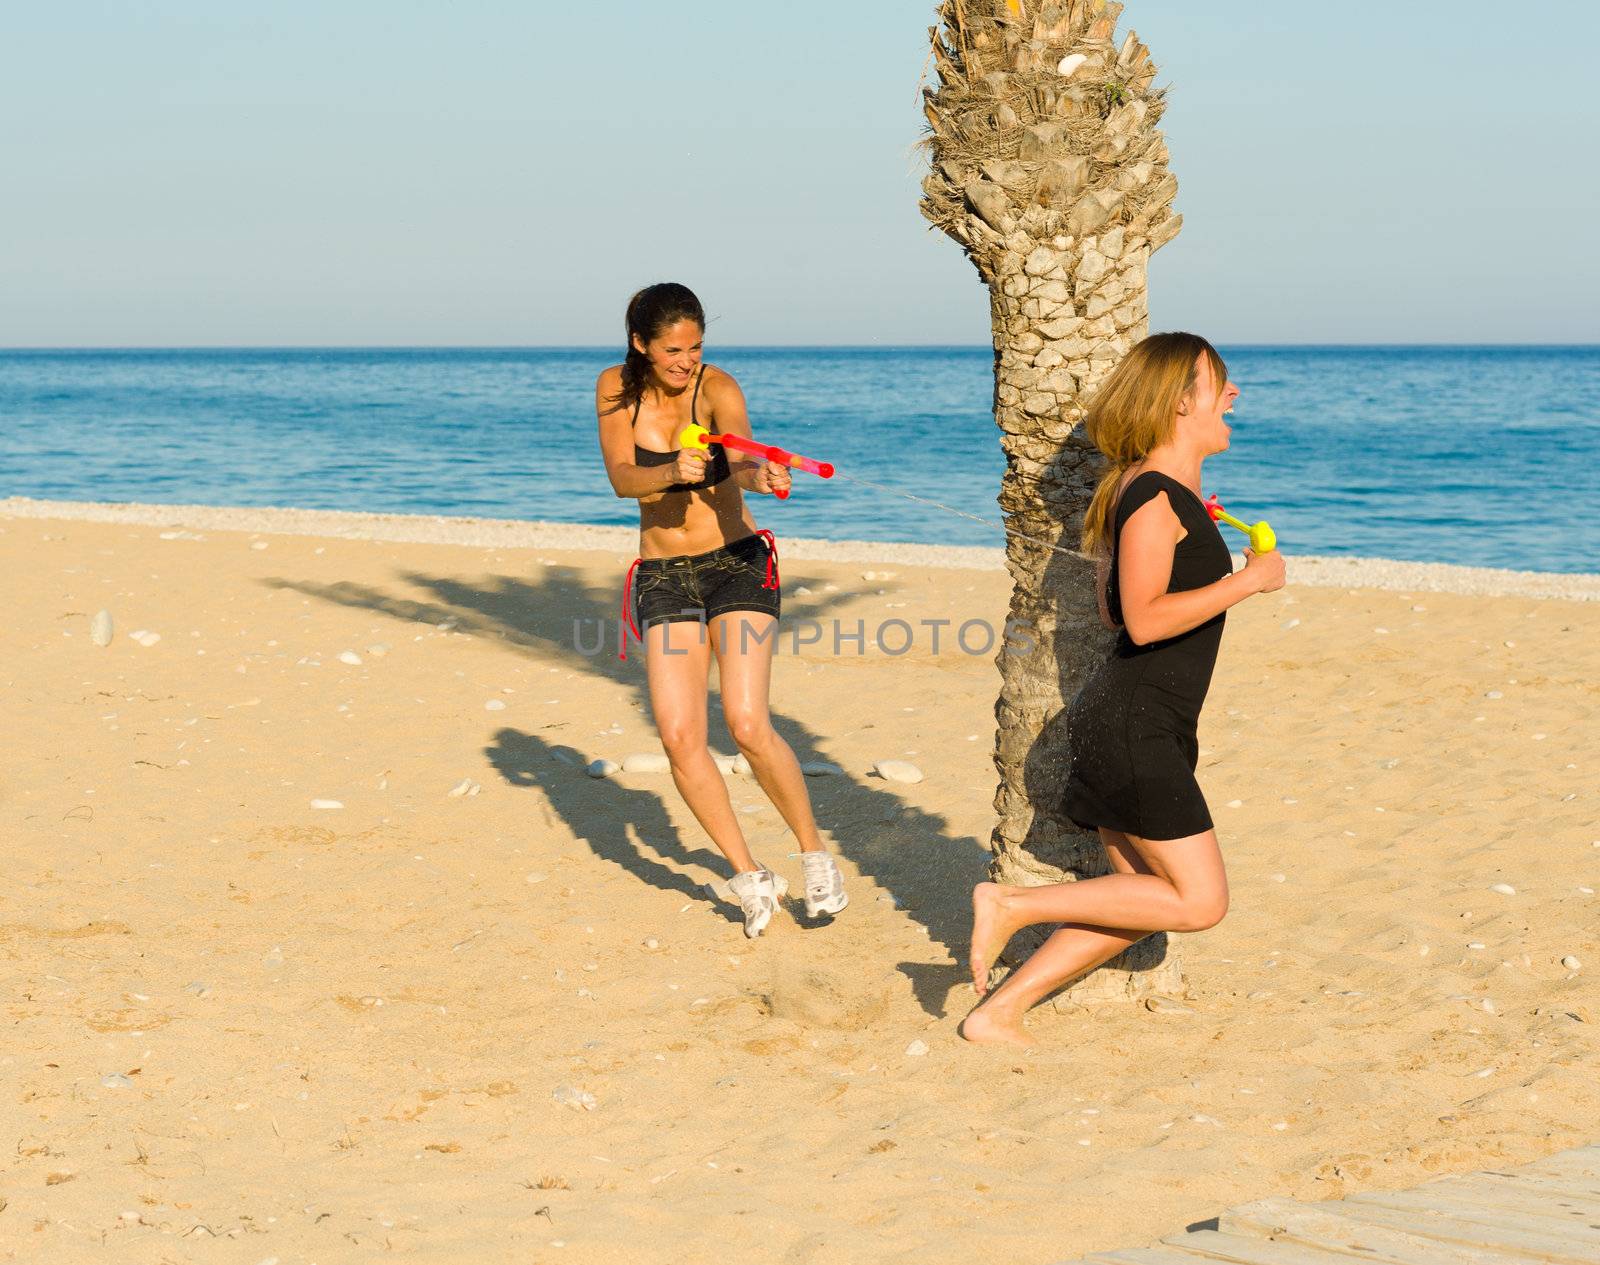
(1201, 913)
(750, 730)
(682, 741)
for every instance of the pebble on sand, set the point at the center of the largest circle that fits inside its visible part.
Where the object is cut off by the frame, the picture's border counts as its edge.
(100, 629)
(1505, 889)
(1571, 963)
(646, 762)
(577, 1099)
(326, 803)
(116, 1081)
(494, 705)
(821, 768)
(602, 768)
(898, 771)
(145, 638)
(350, 657)
(1166, 1006)
(916, 1049)
(466, 786)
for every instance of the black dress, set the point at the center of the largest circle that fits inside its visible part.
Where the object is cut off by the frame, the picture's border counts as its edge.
(1132, 727)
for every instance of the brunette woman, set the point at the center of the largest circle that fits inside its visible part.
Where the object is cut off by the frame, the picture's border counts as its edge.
(705, 585)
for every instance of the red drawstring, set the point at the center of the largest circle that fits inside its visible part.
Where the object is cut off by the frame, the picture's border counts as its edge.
(627, 612)
(771, 581)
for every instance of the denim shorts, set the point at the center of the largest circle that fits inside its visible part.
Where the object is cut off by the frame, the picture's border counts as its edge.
(698, 587)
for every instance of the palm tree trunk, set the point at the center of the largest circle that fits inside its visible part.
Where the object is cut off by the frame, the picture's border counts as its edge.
(1048, 167)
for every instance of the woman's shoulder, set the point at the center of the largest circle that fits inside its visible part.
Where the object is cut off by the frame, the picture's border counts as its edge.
(1146, 485)
(715, 379)
(1139, 491)
(719, 391)
(1140, 487)
(608, 393)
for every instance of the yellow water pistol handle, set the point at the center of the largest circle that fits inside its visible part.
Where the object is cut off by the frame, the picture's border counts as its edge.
(1262, 538)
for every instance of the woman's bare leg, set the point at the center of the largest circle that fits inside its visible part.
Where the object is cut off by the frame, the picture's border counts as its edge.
(1181, 886)
(743, 642)
(1070, 952)
(678, 667)
(1187, 890)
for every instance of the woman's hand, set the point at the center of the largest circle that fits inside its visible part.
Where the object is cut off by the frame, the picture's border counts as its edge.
(690, 467)
(1267, 569)
(772, 478)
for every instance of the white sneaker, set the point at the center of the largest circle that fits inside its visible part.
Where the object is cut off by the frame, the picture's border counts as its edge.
(825, 892)
(757, 893)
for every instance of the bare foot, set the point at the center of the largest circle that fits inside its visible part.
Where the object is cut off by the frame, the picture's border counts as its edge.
(990, 931)
(983, 1028)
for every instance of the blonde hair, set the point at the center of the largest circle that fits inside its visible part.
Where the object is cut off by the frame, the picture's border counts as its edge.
(1134, 412)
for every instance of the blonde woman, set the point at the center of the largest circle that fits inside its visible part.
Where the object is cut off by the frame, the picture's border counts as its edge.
(1166, 580)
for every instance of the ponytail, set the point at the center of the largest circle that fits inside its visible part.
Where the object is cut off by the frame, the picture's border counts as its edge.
(635, 373)
(1097, 519)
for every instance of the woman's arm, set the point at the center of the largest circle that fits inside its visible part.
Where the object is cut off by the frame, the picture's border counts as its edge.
(1144, 570)
(725, 405)
(616, 447)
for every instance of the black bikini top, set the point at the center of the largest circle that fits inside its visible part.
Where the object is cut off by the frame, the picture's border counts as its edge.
(717, 469)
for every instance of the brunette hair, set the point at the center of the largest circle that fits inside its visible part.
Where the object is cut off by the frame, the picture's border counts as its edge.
(651, 311)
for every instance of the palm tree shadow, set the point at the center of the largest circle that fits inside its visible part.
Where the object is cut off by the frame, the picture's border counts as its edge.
(562, 620)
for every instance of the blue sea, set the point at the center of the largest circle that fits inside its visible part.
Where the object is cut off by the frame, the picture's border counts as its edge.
(1471, 455)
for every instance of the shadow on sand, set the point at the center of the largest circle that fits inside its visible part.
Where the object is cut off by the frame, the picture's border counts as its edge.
(908, 852)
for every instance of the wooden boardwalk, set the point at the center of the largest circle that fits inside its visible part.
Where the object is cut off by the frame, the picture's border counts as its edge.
(1543, 1212)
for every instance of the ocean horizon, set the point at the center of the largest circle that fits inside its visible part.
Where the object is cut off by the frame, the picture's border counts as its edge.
(1419, 452)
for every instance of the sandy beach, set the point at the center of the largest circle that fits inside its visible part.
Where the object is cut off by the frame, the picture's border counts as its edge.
(317, 936)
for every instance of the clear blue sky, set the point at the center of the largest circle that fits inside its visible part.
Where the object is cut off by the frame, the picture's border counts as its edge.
(363, 173)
